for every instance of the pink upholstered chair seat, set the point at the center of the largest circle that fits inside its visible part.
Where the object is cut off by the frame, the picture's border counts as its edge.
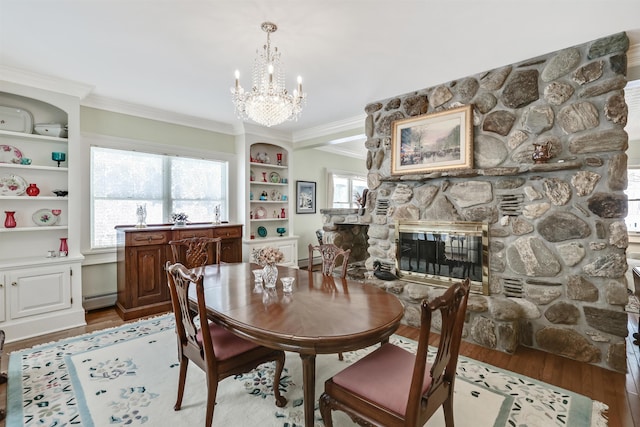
(225, 344)
(389, 366)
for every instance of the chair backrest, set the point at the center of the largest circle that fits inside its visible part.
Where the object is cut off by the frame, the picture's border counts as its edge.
(330, 254)
(180, 279)
(196, 251)
(452, 306)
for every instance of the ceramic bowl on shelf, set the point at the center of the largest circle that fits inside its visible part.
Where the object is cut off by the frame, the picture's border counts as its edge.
(51, 129)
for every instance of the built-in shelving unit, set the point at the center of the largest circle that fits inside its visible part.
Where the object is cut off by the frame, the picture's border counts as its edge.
(269, 204)
(40, 291)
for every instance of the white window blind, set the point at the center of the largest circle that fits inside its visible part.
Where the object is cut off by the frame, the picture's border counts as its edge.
(121, 180)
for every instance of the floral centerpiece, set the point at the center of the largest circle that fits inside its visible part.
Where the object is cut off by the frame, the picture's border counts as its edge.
(268, 257)
(179, 218)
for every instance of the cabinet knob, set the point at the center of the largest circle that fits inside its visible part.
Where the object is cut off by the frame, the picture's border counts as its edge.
(14, 283)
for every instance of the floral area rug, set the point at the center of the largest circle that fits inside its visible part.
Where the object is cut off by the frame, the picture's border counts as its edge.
(128, 376)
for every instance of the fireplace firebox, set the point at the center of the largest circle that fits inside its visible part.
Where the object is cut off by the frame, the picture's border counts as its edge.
(441, 252)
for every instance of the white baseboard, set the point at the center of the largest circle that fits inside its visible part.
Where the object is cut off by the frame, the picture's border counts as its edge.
(99, 301)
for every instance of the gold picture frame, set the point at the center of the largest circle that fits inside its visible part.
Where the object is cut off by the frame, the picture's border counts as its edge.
(433, 142)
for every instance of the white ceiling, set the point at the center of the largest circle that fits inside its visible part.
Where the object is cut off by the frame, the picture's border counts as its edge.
(180, 55)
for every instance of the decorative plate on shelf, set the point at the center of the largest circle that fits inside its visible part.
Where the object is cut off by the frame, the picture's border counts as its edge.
(45, 217)
(276, 195)
(15, 119)
(261, 213)
(262, 232)
(12, 185)
(274, 177)
(10, 154)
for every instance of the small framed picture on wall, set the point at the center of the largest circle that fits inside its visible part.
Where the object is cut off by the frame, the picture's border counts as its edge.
(305, 197)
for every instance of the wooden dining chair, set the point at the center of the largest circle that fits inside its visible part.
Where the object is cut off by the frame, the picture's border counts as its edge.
(218, 352)
(394, 387)
(195, 251)
(330, 253)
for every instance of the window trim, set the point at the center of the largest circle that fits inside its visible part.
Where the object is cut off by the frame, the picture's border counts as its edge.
(118, 143)
(331, 173)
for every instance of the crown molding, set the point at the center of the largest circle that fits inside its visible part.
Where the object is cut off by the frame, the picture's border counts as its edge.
(353, 123)
(336, 149)
(138, 110)
(39, 81)
(262, 131)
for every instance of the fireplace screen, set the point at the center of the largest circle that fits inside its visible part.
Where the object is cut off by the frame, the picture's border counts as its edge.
(438, 252)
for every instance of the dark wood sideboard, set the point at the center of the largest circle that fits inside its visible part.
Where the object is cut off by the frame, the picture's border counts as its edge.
(142, 254)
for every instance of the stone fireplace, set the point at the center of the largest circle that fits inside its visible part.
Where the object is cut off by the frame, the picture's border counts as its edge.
(557, 237)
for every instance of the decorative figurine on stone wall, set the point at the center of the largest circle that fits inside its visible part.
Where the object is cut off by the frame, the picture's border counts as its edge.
(541, 153)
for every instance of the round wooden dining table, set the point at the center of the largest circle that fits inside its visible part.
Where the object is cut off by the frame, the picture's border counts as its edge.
(322, 315)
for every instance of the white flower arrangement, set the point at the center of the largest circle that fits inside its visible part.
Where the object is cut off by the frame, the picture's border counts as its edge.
(179, 217)
(268, 255)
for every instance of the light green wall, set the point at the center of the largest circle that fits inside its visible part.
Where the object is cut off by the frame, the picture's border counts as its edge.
(100, 278)
(124, 126)
(311, 165)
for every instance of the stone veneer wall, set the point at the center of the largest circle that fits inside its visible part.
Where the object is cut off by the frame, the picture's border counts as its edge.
(557, 233)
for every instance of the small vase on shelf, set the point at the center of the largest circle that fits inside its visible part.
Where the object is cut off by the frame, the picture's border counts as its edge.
(270, 275)
(32, 190)
(64, 248)
(10, 219)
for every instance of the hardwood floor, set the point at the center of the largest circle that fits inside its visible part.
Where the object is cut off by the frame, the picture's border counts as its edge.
(620, 392)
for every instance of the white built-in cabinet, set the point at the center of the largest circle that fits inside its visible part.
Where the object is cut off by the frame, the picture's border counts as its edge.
(39, 293)
(269, 201)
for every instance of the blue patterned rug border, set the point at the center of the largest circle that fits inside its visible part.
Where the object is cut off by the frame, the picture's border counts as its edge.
(14, 389)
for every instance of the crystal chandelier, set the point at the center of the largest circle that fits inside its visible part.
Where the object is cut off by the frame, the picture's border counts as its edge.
(268, 102)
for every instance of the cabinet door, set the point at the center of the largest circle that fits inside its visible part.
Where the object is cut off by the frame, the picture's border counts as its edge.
(231, 250)
(290, 252)
(148, 279)
(39, 290)
(231, 245)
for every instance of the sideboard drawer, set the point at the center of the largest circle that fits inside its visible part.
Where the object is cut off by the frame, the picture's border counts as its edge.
(189, 234)
(148, 238)
(228, 232)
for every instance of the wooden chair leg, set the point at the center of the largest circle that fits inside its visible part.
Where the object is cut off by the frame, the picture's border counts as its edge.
(447, 407)
(212, 391)
(184, 364)
(340, 357)
(325, 410)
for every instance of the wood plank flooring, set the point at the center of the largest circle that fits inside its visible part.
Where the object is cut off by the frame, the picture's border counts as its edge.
(620, 392)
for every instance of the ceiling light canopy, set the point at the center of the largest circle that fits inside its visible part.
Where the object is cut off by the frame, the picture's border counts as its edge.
(268, 102)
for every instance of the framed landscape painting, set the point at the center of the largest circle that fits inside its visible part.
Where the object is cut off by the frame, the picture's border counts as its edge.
(305, 197)
(433, 142)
